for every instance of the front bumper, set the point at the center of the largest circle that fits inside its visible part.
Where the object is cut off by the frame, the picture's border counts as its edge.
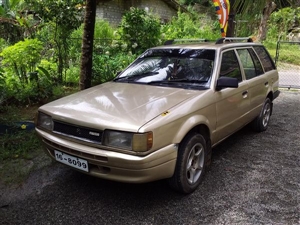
(116, 166)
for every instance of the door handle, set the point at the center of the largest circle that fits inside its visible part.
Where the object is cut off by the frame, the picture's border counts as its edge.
(245, 94)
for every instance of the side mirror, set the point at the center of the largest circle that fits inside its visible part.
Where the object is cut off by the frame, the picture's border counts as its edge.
(227, 82)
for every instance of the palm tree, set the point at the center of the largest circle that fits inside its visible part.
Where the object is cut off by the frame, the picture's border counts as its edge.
(87, 45)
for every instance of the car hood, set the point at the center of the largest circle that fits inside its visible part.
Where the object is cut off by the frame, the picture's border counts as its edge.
(120, 106)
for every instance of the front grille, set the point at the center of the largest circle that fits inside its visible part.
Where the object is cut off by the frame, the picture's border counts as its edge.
(94, 159)
(82, 133)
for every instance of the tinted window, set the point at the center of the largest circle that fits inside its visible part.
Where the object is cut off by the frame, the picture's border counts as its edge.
(250, 62)
(180, 52)
(187, 68)
(265, 58)
(230, 66)
(258, 67)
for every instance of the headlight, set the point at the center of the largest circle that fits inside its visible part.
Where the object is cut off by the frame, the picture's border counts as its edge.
(44, 121)
(131, 141)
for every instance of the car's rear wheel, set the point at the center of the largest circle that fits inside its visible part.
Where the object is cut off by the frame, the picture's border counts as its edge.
(190, 166)
(262, 121)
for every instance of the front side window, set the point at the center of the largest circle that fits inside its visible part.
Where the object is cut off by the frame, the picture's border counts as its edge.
(172, 67)
(230, 66)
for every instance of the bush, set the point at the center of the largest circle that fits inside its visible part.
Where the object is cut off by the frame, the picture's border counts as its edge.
(106, 66)
(110, 56)
(3, 90)
(190, 26)
(72, 75)
(3, 44)
(103, 35)
(139, 30)
(21, 58)
(26, 78)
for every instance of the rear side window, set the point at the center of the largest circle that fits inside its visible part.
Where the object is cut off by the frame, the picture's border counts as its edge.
(230, 66)
(265, 58)
(258, 67)
(250, 62)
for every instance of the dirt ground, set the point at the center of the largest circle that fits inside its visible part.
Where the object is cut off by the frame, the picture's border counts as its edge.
(254, 179)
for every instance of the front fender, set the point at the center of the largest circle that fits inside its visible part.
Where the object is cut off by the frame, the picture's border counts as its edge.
(190, 124)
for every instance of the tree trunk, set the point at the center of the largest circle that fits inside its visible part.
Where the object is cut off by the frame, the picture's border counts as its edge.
(231, 25)
(262, 30)
(87, 45)
(231, 20)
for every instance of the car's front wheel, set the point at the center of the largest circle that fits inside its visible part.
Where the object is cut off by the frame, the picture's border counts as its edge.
(190, 166)
(262, 121)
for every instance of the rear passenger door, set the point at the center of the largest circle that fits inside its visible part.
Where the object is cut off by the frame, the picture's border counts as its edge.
(258, 84)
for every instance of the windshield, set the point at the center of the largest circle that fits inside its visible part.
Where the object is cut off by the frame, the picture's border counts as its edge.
(191, 67)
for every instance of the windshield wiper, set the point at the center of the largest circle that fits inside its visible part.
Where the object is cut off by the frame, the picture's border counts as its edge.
(177, 81)
(120, 78)
(134, 77)
(185, 80)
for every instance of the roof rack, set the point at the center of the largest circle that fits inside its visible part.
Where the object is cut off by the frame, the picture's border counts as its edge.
(233, 39)
(170, 42)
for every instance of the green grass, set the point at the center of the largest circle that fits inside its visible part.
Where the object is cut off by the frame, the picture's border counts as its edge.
(21, 144)
(21, 151)
(18, 153)
(288, 53)
(20, 148)
(17, 143)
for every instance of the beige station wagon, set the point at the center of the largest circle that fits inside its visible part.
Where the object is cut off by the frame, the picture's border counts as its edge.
(161, 117)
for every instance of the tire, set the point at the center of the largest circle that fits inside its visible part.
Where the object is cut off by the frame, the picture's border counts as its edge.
(190, 165)
(261, 122)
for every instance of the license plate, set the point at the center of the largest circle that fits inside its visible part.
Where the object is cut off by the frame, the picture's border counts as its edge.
(72, 161)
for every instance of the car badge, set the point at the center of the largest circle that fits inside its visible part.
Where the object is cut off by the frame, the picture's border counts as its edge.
(94, 133)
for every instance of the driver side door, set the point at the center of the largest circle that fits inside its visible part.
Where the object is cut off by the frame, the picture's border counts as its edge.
(232, 104)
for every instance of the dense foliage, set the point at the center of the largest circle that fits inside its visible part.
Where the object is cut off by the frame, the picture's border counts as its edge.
(61, 17)
(41, 62)
(282, 22)
(14, 24)
(20, 63)
(191, 26)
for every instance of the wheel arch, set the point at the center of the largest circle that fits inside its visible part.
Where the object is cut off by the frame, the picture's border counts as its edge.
(204, 130)
(271, 97)
(179, 180)
(201, 129)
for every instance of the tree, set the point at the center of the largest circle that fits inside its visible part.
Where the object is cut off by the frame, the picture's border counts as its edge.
(87, 45)
(264, 8)
(12, 20)
(267, 11)
(65, 16)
